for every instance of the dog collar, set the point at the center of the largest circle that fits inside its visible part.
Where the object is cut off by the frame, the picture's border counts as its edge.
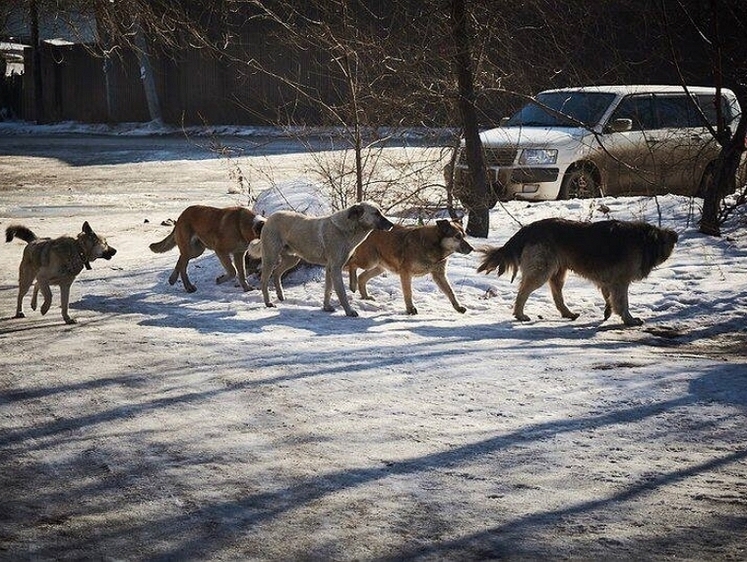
(83, 258)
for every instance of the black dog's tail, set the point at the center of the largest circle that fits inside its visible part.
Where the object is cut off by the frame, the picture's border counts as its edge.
(507, 257)
(499, 258)
(18, 231)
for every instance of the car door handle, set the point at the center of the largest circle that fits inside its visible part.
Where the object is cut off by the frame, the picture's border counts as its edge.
(651, 141)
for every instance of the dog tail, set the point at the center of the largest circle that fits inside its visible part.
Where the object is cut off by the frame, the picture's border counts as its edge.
(258, 225)
(168, 243)
(18, 231)
(507, 257)
(254, 250)
(501, 259)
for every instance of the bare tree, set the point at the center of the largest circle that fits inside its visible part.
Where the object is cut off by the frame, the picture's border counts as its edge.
(722, 180)
(476, 197)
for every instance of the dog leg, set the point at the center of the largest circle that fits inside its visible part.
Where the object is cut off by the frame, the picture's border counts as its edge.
(365, 277)
(353, 278)
(334, 277)
(181, 269)
(529, 283)
(34, 295)
(64, 301)
(607, 303)
(225, 261)
(46, 292)
(327, 306)
(619, 299)
(287, 262)
(406, 282)
(25, 279)
(268, 267)
(439, 276)
(556, 288)
(238, 259)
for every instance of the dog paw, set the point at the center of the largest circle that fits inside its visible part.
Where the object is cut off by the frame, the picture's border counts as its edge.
(460, 309)
(190, 288)
(351, 313)
(19, 315)
(412, 310)
(522, 317)
(70, 320)
(328, 308)
(633, 321)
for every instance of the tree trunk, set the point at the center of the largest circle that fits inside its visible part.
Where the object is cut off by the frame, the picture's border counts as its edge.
(475, 196)
(37, 67)
(147, 76)
(722, 179)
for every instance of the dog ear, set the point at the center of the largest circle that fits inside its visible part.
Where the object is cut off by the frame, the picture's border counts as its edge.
(355, 212)
(87, 228)
(444, 226)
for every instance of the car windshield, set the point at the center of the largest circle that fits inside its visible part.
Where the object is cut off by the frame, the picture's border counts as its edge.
(563, 109)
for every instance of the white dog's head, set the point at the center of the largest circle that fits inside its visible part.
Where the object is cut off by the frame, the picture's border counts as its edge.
(369, 215)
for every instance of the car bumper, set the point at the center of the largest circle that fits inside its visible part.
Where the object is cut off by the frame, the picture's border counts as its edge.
(527, 184)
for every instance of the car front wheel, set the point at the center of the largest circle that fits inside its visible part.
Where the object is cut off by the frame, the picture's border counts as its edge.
(579, 184)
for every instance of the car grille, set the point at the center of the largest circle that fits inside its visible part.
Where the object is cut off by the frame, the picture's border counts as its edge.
(493, 156)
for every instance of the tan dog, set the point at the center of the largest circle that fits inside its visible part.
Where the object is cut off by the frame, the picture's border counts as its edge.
(409, 252)
(55, 261)
(227, 232)
(288, 237)
(611, 253)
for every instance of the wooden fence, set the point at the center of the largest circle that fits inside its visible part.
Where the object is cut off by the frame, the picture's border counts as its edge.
(192, 87)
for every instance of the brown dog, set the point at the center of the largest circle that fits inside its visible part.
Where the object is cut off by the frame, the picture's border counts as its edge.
(612, 254)
(227, 232)
(409, 252)
(55, 261)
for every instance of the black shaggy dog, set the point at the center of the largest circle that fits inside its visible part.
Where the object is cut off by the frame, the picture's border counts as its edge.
(612, 254)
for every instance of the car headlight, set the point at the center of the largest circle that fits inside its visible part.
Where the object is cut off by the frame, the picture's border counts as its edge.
(538, 156)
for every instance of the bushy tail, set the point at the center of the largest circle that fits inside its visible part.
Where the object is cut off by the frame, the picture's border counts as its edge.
(18, 231)
(505, 258)
(168, 243)
(497, 258)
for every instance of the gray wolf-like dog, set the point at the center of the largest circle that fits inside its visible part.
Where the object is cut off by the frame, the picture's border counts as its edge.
(287, 237)
(55, 261)
(612, 254)
(409, 252)
(227, 232)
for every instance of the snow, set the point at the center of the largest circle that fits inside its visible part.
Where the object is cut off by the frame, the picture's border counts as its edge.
(167, 425)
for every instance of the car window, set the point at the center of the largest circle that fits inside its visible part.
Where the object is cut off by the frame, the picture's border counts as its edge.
(563, 109)
(639, 109)
(707, 103)
(674, 111)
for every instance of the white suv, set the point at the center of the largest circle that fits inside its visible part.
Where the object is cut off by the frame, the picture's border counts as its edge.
(604, 140)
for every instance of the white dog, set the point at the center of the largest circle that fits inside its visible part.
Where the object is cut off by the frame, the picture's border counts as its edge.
(288, 237)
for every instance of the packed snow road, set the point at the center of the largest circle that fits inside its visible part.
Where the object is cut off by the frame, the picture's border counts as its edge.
(175, 426)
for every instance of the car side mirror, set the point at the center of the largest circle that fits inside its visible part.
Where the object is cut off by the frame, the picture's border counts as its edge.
(504, 120)
(620, 125)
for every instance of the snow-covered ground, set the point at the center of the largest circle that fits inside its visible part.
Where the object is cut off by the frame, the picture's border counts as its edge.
(177, 426)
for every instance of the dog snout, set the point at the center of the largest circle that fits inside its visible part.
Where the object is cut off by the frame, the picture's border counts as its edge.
(384, 223)
(109, 253)
(465, 247)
